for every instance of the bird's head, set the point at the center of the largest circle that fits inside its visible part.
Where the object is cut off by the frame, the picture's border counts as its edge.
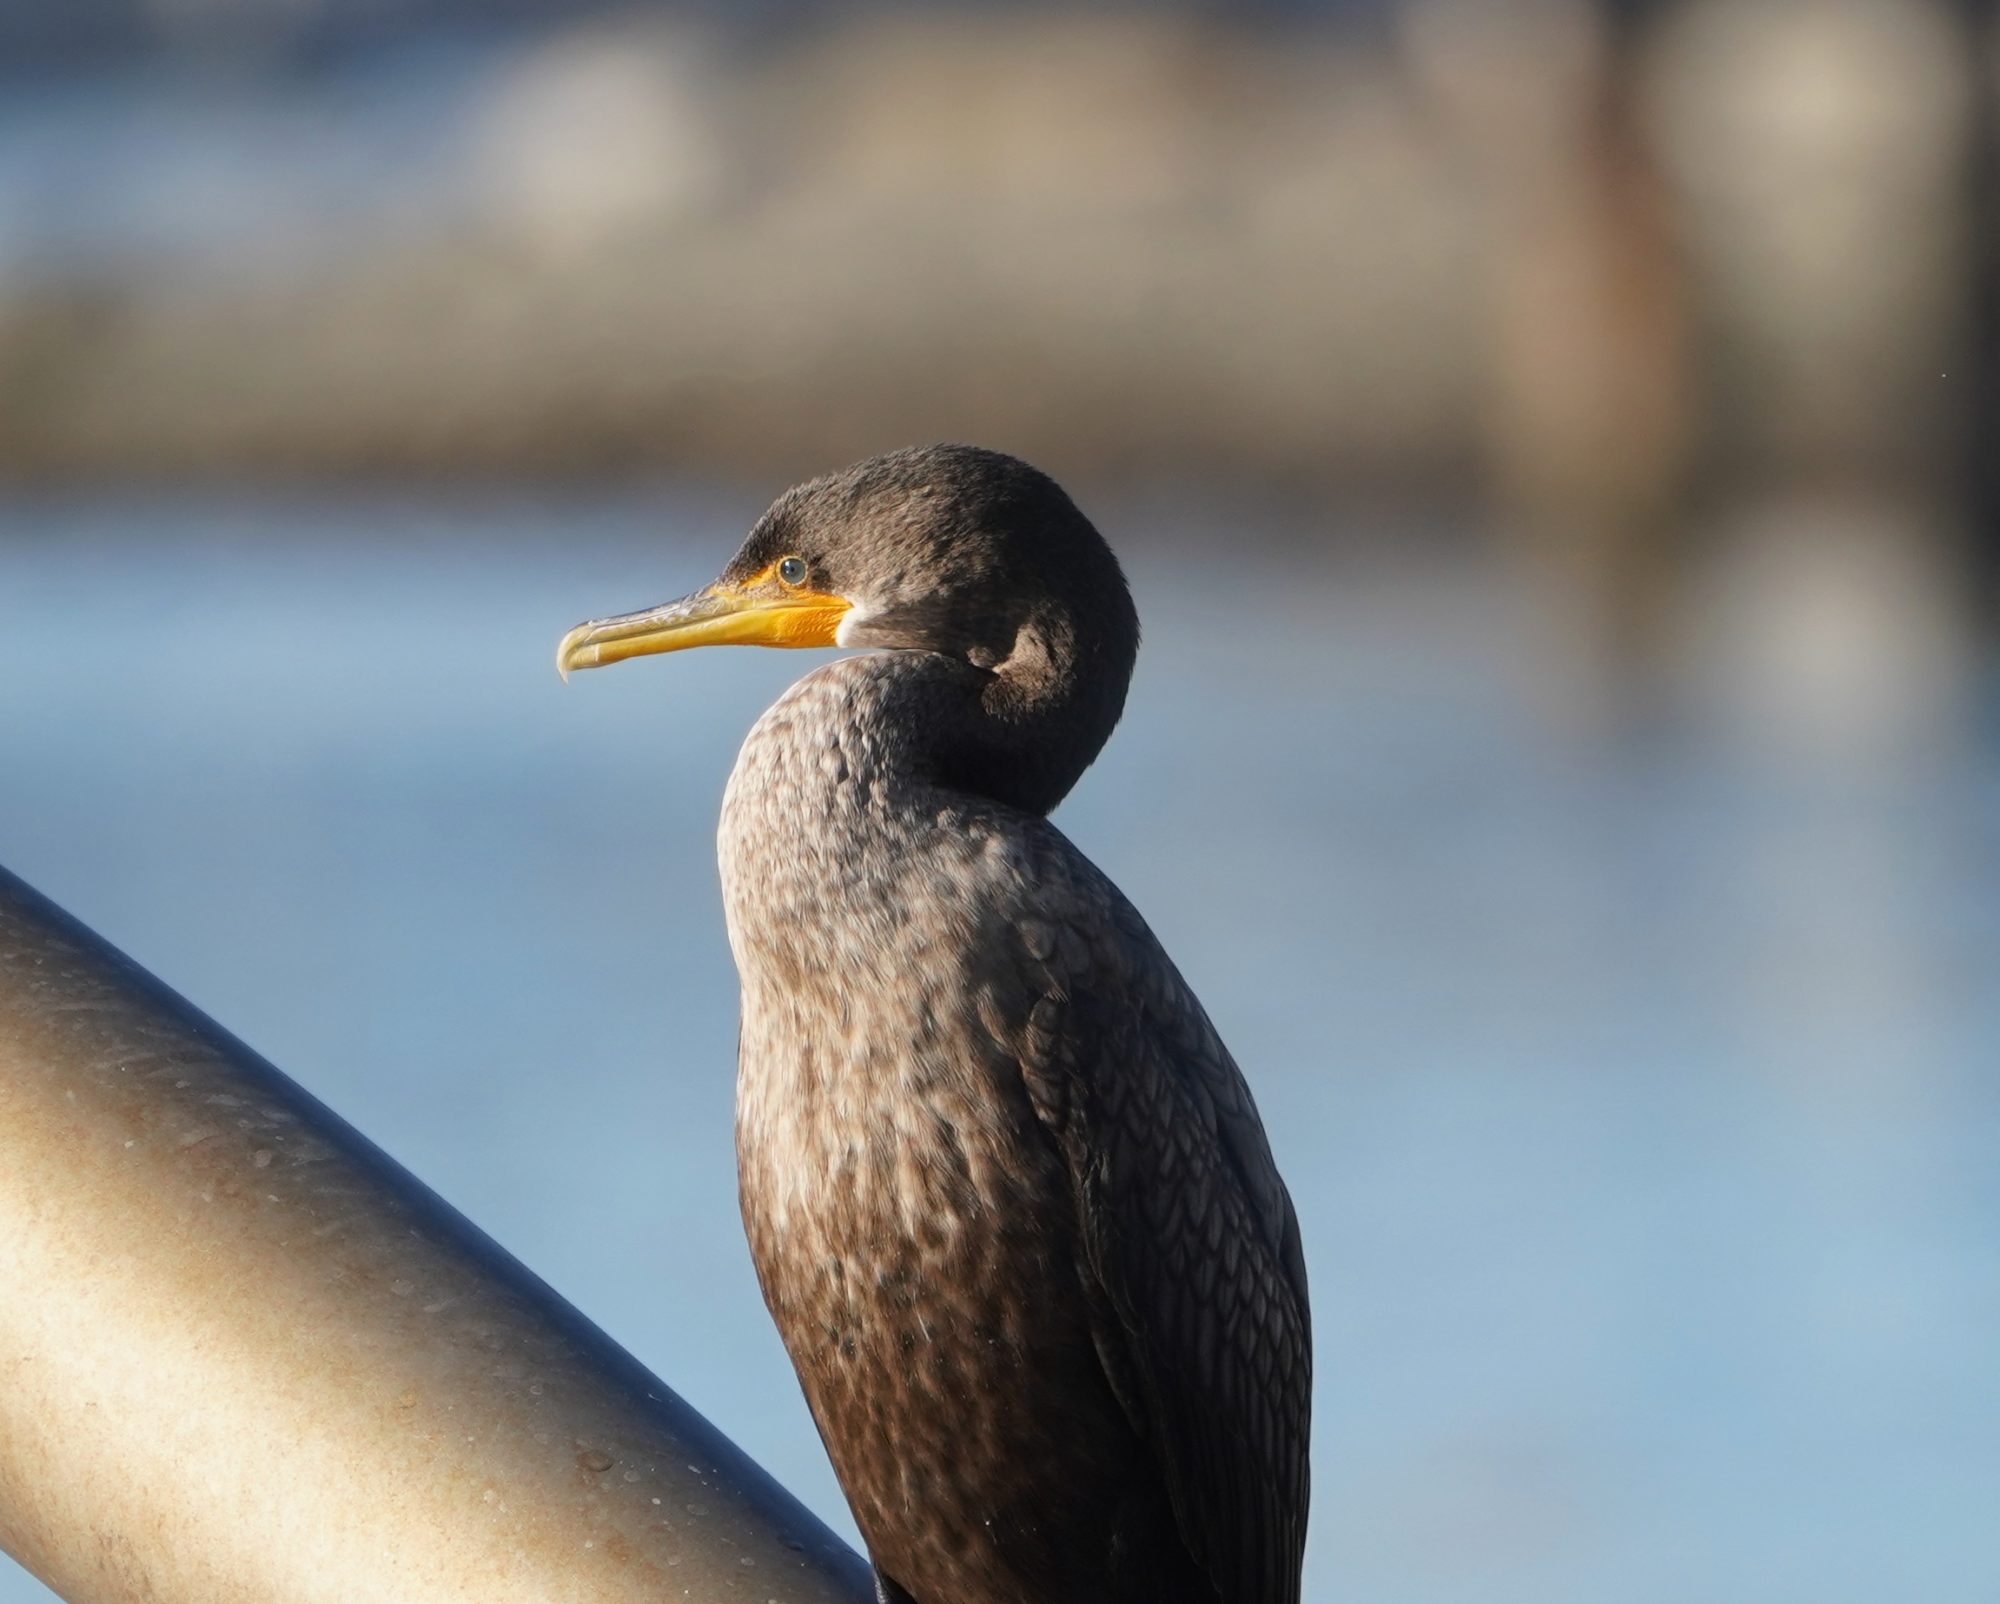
(947, 549)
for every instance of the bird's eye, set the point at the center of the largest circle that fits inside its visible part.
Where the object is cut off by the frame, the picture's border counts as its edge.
(793, 570)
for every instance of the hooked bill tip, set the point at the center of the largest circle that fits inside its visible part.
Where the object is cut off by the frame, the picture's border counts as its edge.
(574, 651)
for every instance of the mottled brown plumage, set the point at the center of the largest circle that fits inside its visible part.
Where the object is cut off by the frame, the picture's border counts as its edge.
(1008, 1196)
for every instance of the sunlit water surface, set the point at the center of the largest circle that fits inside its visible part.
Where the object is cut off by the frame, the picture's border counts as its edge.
(1641, 1097)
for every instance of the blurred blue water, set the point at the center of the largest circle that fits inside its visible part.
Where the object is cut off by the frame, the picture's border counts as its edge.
(1641, 1097)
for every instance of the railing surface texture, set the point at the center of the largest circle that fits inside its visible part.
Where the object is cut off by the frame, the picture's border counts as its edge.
(245, 1358)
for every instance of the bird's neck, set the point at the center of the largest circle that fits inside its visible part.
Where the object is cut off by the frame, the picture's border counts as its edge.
(916, 728)
(869, 763)
(831, 807)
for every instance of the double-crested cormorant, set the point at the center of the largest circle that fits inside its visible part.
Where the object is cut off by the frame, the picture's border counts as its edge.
(1009, 1200)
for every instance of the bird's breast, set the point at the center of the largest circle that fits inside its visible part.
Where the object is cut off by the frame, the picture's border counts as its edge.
(874, 1104)
(912, 1224)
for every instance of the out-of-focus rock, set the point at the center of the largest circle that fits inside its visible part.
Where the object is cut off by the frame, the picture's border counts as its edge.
(1585, 391)
(1819, 148)
(604, 132)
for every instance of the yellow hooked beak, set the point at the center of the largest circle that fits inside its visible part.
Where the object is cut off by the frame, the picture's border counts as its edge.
(760, 611)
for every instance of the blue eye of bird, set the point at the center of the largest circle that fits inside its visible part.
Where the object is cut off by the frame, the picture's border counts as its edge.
(793, 570)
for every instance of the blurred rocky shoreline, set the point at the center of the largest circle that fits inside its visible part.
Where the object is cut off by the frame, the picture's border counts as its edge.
(1103, 240)
(1472, 244)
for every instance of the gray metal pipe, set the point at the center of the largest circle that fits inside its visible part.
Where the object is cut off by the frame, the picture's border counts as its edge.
(247, 1359)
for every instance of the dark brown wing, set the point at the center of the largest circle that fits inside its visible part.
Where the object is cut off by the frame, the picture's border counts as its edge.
(1187, 1229)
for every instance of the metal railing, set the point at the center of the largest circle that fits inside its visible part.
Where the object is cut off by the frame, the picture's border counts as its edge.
(245, 1358)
